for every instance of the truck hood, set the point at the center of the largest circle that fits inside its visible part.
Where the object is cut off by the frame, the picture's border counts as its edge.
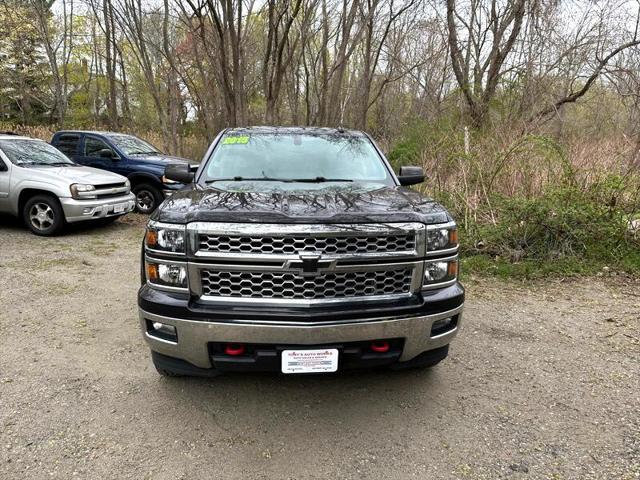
(163, 160)
(277, 202)
(70, 175)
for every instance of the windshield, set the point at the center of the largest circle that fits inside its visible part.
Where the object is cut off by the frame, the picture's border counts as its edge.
(33, 152)
(296, 157)
(130, 145)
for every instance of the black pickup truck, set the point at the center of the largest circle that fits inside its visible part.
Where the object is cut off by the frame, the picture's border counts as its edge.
(298, 250)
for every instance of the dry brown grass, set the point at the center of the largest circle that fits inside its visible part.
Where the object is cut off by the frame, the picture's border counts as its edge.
(189, 146)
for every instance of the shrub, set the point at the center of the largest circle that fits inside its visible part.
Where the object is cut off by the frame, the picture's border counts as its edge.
(530, 205)
(577, 229)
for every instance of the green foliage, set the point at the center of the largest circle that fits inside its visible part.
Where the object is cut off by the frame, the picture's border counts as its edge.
(421, 139)
(566, 230)
(524, 208)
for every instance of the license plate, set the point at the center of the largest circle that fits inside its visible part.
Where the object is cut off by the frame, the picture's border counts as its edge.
(119, 208)
(310, 361)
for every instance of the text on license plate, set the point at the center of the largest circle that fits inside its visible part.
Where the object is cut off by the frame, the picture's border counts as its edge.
(310, 361)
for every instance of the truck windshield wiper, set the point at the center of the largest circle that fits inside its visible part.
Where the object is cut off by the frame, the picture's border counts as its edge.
(247, 179)
(321, 179)
(271, 179)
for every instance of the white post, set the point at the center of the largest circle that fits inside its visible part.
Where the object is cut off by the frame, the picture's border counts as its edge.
(466, 140)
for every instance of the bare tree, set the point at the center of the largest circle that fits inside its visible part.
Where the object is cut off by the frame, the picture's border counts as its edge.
(491, 30)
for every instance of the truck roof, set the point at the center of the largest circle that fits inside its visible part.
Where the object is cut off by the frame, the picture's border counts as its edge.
(13, 136)
(95, 132)
(295, 131)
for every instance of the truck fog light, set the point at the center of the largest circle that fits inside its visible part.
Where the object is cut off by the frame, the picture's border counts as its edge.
(162, 330)
(442, 326)
(163, 327)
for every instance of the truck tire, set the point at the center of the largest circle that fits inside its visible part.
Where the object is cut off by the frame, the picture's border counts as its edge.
(43, 215)
(427, 359)
(148, 198)
(175, 367)
(166, 373)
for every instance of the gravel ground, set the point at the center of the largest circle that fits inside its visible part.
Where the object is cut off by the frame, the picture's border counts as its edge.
(542, 382)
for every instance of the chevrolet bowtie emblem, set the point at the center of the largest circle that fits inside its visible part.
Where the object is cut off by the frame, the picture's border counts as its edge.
(310, 264)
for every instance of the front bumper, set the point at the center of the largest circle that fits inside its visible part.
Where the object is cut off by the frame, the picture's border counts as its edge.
(194, 337)
(79, 210)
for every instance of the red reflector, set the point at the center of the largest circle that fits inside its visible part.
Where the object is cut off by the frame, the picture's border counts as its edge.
(380, 346)
(234, 349)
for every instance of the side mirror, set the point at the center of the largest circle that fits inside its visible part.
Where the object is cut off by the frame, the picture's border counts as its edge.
(411, 175)
(106, 153)
(179, 172)
(3, 167)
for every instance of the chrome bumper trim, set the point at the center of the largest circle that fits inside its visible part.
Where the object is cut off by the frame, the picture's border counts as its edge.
(194, 336)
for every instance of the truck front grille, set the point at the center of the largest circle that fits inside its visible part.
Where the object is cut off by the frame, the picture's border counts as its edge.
(305, 264)
(295, 286)
(290, 244)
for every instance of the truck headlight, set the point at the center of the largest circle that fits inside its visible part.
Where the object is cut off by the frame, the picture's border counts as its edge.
(168, 181)
(166, 274)
(165, 237)
(441, 237)
(78, 189)
(440, 271)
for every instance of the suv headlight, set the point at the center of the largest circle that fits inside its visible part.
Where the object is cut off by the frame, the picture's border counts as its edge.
(77, 189)
(164, 274)
(442, 237)
(440, 271)
(165, 237)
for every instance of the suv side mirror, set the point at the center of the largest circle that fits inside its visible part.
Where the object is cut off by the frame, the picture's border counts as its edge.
(107, 153)
(179, 172)
(411, 175)
(3, 167)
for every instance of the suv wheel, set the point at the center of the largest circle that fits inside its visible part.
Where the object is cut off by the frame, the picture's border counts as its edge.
(147, 198)
(43, 215)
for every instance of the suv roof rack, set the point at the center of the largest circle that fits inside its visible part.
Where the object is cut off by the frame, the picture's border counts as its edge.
(10, 133)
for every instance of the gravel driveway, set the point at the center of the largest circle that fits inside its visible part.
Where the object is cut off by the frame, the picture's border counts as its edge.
(542, 382)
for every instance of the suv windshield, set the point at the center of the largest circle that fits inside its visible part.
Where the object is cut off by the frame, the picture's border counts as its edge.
(294, 157)
(130, 145)
(33, 152)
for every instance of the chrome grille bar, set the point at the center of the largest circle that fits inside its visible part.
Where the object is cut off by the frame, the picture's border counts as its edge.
(281, 241)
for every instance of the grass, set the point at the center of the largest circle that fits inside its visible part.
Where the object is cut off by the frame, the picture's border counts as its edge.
(534, 270)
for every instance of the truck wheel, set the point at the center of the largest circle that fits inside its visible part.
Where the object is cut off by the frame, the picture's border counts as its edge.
(148, 198)
(43, 215)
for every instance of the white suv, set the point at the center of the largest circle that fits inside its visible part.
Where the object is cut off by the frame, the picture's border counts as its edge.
(39, 184)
